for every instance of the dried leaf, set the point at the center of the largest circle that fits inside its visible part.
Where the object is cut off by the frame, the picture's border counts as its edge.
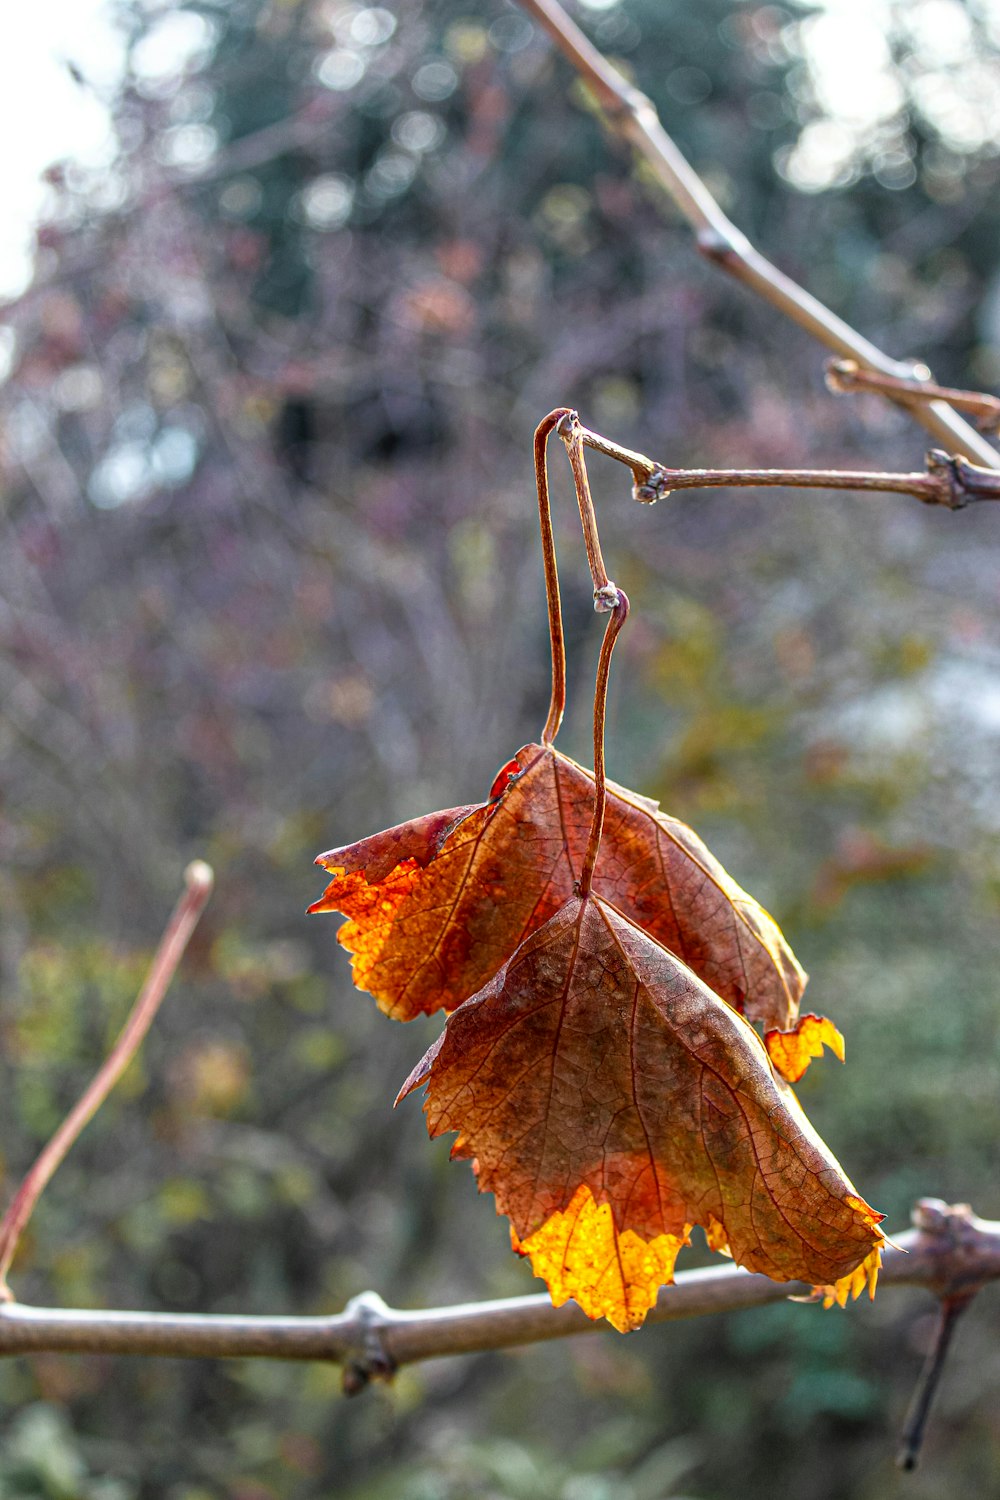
(611, 1101)
(427, 932)
(792, 1051)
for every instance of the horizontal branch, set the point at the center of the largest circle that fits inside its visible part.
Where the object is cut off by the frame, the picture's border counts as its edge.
(951, 482)
(950, 1252)
(631, 115)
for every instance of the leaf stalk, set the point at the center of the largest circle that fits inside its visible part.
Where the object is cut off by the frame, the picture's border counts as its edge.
(557, 642)
(616, 620)
(845, 377)
(573, 435)
(915, 1425)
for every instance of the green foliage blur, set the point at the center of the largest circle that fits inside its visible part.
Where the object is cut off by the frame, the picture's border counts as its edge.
(270, 582)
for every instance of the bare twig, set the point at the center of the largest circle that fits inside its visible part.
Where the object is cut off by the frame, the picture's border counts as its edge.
(845, 377)
(573, 435)
(951, 482)
(950, 1252)
(632, 115)
(915, 1426)
(183, 920)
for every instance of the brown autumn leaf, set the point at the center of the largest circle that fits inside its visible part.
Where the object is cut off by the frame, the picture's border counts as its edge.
(611, 1101)
(437, 905)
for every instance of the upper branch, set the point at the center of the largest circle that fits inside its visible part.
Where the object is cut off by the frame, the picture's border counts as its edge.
(951, 482)
(633, 116)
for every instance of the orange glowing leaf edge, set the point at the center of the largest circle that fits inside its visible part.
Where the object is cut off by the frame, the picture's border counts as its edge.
(792, 1051)
(608, 1273)
(854, 1283)
(618, 1276)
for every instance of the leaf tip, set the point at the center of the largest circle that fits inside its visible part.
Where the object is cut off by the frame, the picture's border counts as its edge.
(420, 1073)
(326, 901)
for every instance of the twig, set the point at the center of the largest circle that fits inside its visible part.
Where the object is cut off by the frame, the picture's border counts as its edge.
(951, 482)
(183, 920)
(632, 115)
(950, 1252)
(915, 1425)
(574, 437)
(845, 377)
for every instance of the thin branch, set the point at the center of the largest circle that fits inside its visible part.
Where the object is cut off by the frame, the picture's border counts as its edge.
(915, 1426)
(616, 620)
(183, 920)
(950, 1252)
(632, 115)
(845, 377)
(557, 643)
(573, 435)
(951, 482)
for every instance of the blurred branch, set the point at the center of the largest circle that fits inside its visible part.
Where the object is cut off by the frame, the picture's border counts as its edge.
(183, 920)
(950, 1253)
(293, 133)
(915, 1426)
(631, 115)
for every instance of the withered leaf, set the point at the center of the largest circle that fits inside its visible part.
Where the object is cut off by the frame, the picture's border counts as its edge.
(435, 907)
(611, 1100)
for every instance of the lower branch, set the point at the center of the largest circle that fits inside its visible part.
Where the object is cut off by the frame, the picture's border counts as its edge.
(950, 1252)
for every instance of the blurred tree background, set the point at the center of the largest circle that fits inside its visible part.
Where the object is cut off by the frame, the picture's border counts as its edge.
(269, 581)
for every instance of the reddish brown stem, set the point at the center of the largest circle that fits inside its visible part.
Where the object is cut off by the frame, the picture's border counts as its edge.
(951, 482)
(557, 644)
(662, 481)
(616, 620)
(198, 881)
(574, 436)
